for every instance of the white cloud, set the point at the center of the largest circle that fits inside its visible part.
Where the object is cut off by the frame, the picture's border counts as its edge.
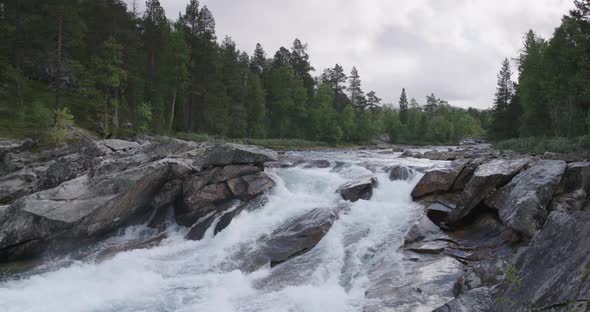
(452, 48)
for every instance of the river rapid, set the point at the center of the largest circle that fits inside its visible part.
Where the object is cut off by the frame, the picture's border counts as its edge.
(361, 253)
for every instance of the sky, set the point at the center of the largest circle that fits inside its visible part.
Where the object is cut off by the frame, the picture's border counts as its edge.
(452, 48)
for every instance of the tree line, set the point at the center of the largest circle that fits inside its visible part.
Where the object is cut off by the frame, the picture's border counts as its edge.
(551, 97)
(115, 71)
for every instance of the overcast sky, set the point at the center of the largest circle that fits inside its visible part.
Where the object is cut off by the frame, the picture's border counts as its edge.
(452, 48)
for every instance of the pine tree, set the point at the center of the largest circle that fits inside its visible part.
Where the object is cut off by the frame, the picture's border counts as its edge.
(357, 97)
(255, 104)
(403, 108)
(299, 60)
(234, 83)
(258, 62)
(504, 93)
(431, 104)
(373, 101)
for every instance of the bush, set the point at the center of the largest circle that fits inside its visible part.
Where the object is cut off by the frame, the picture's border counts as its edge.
(540, 145)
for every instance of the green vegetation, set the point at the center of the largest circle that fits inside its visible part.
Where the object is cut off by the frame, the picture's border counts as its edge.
(105, 68)
(546, 144)
(551, 100)
(277, 144)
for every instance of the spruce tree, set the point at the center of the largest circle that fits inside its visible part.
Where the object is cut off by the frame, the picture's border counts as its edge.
(354, 87)
(258, 62)
(504, 93)
(403, 108)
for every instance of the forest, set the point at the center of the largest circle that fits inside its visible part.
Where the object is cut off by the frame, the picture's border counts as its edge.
(106, 67)
(551, 97)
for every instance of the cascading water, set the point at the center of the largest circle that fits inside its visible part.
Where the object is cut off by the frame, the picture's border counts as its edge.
(361, 250)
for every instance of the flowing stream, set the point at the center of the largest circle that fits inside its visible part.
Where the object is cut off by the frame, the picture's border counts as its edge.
(360, 250)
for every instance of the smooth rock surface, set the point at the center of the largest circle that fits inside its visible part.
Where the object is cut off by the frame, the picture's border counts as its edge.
(522, 202)
(438, 179)
(359, 189)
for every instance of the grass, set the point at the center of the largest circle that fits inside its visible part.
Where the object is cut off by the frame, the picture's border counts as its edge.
(538, 145)
(276, 144)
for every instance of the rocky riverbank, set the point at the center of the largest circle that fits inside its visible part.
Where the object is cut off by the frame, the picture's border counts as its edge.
(500, 231)
(58, 200)
(518, 223)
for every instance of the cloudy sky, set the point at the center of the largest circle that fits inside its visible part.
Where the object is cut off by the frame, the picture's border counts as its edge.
(452, 48)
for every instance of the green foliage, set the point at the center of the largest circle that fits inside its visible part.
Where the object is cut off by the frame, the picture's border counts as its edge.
(540, 145)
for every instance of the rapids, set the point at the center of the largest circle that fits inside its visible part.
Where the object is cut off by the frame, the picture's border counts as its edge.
(360, 250)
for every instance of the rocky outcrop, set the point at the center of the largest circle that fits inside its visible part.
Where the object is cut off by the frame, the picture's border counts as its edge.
(84, 192)
(476, 300)
(522, 202)
(359, 189)
(439, 179)
(486, 178)
(553, 272)
(572, 193)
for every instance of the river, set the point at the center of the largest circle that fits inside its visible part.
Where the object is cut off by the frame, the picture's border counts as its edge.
(361, 250)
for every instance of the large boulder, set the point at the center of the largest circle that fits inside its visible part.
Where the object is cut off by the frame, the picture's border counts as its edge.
(439, 179)
(359, 189)
(234, 154)
(522, 202)
(553, 272)
(295, 237)
(486, 178)
(81, 208)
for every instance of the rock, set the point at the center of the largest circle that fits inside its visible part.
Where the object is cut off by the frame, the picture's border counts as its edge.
(409, 153)
(81, 208)
(574, 201)
(234, 154)
(198, 230)
(465, 176)
(247, 187)
(162, 205)
(572, 193)
(486, 178)
(357, 190)
(318, 163)
(522, 202)
(553, 271)
(487, 273)
(118, 146)
(13, 147)
(16, 185)
(422, 229)
(438, 179)
(234, 171)
(399, 172)
(296, 237)
(475, 300)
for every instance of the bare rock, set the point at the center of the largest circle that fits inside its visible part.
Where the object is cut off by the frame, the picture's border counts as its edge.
(357, 190)
(439, 179)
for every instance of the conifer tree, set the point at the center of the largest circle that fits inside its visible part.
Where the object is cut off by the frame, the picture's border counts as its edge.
(403, 107)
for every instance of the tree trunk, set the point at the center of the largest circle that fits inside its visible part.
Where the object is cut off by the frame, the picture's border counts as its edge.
(170, 126)
(57, 100)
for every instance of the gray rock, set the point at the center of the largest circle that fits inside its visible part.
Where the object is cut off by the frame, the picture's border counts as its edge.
(522, 203)
(118, 146)
(81, 208)
(475, 300)
(17, 184)
(552, 273)
(422, 229)
(234, 171)
(297, 236)
(359, 189)
(234, 154)
(399, 172)
(247, 187)
(439, 179)
(487, 273)
(486, 178)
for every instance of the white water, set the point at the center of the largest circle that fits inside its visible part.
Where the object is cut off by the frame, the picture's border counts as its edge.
(182, 275)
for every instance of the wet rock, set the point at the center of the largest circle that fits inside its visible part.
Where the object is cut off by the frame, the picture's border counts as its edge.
(423, 229)
(81, 208)
(522, 202)
(487, 273)
(234, 154)
(552, 273)
(198, 230)
(162, 205)
(247, 187)
(318, 163)
(296, 237)
(118, 146)
(357, 190)
(486, 178)
(16, 185)
(234, 171)
(399, 172)
(475, 300)
(438, 179)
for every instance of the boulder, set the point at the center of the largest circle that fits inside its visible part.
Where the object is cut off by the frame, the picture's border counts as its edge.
(247, 187)
(553, 272)
(487, 273)
(17, 184)
(522, 203)
(439, 179)
(359, 189)
(81, 208)
(423, 229)
(234, 154)
(486, 178)
(475, 300)
(295, 237)
(400, 172)
(572, 193)
(234, 171)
